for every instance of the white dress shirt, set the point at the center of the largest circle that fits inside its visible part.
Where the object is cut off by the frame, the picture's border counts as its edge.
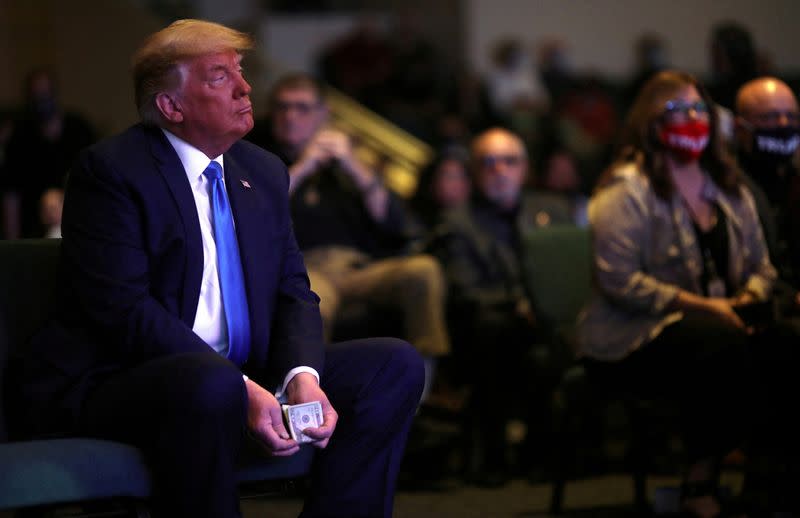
(209, 321)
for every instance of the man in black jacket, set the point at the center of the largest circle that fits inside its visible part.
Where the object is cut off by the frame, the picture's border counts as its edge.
(492, 314)
(767, 136)
(350, 227)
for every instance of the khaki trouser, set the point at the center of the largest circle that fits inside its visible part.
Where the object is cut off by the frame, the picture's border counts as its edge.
(412, 284)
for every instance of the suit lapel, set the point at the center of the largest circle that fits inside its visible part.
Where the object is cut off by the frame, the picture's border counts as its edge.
(171, 169)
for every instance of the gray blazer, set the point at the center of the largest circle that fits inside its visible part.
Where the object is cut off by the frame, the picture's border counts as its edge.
(645, 250)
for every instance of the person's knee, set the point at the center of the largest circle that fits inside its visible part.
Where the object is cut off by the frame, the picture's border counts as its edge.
(328, 295)
(422, 274)
(328, 307)
(403, 364)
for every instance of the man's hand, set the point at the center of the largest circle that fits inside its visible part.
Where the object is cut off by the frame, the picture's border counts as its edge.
(337, 146)
(327, 146)
(303, 388)
(265, 421)
(316, 154)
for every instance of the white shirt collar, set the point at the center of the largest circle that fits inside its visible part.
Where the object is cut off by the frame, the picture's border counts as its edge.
(194, 161)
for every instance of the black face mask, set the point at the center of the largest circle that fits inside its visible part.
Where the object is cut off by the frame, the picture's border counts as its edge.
(775, 146)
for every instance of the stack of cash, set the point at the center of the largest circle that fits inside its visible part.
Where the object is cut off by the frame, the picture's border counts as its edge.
(299, 417)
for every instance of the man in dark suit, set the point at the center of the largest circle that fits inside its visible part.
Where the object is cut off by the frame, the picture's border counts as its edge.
(186, 313)
(481, 247)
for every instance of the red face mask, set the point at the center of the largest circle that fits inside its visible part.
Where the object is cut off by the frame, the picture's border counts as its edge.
(686, 140)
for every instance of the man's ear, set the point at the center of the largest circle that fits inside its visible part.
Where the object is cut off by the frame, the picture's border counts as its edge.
(170, 109)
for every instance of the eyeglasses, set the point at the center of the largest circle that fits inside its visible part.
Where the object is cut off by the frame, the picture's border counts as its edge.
(775, 118)
(300, 107)
(676, 108)
(507, 160)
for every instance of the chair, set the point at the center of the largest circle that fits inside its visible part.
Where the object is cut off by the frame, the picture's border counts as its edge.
(557, 272)
(40, 476)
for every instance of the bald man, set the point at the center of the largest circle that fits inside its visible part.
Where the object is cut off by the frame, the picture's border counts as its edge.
(481, 249)
(767, 133)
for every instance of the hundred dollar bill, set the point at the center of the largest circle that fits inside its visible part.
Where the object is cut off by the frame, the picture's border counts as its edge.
(302, 416)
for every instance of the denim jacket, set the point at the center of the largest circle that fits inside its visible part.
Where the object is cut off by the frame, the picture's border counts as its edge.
(645, 249)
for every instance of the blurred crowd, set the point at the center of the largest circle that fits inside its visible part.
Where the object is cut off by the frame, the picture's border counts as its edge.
(531, 144)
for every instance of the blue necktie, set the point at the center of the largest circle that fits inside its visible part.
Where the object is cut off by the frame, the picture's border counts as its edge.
(231, 278)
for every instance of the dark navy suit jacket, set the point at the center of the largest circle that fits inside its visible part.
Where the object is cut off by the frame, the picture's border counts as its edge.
(132, 263)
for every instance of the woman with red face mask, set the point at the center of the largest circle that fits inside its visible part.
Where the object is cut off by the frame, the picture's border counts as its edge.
(678, 253)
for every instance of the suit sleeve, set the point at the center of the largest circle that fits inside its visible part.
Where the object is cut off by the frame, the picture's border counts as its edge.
(297, 329)
(108, 269)
(296, 335)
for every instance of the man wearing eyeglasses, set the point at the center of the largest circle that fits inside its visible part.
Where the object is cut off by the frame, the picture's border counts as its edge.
(350, 227)
(767, 137)
(479, 247)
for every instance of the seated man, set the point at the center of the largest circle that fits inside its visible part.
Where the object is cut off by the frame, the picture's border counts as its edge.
(350, 228)
(492, 313)
(767, 131)
(185, 313)
(44, 143)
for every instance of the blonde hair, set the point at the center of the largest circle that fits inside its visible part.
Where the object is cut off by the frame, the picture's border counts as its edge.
(156, 63)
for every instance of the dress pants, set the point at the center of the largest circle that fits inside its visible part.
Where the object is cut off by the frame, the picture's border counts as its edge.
(188, 414)
(412, 284)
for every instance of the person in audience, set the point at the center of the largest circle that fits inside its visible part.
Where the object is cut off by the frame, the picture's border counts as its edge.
(652, 55)
(185, 315)
(734, 61)
(360, 62)
(681, 275)
(414, 91)
(559, 175)
(41, 149)
(492, 315)
(512, 83)
(351, 228)
(767, 137)
(514, 95)
(444, 185)
(555, 65)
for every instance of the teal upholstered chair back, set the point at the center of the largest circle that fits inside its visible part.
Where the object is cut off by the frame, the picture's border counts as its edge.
(27, 290)
(557, 271)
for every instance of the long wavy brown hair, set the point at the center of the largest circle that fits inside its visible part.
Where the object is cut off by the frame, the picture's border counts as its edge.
(639, 142)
